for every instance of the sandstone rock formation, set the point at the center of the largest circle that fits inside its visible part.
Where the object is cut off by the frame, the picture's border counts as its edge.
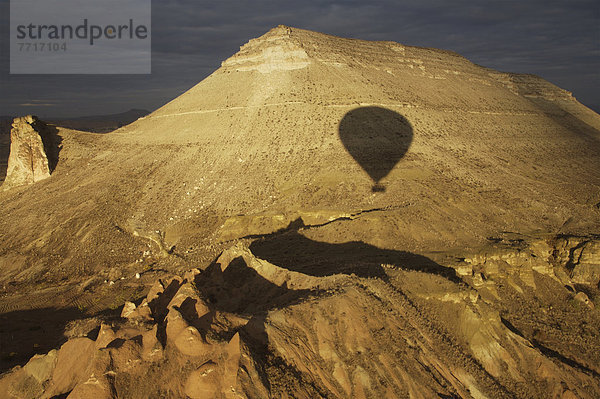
(33, 152)
(301, 252)
(246, 328)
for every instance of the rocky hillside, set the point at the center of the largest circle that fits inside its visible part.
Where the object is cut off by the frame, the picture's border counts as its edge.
(320, 217)
(409, 327)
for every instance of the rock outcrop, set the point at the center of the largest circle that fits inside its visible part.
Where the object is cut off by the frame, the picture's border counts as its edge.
(33, 152)
(582, 257)
(244, 327)
(174, 326)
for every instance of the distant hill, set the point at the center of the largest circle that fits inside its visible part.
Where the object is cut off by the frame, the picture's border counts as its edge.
(5, 122)
(91, 123)
(100, 123)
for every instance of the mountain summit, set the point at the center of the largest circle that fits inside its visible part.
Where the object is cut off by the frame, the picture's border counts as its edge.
(260, 137)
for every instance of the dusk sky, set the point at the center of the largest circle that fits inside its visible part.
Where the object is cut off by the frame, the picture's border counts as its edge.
(557, 40)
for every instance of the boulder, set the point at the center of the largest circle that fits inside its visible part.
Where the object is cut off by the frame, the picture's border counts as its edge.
(41, 367)
(72, 366)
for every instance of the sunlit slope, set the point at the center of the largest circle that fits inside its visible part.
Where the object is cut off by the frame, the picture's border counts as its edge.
(489, 150)
(257, 145)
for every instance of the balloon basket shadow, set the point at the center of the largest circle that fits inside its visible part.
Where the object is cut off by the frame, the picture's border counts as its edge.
(378, 188)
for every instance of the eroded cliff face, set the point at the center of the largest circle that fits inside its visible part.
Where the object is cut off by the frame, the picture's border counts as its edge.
(33, 152)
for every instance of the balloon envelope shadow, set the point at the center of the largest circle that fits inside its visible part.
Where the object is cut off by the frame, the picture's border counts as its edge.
(377, 138)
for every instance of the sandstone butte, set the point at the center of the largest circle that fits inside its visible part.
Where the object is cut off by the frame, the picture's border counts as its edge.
(320, 217)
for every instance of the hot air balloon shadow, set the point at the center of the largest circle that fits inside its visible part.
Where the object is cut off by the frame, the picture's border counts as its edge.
(377, 138)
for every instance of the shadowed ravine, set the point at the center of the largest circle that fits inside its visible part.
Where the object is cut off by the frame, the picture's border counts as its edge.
(296, 252)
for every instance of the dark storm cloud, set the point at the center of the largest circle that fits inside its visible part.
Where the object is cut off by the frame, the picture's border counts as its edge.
(558, 40)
